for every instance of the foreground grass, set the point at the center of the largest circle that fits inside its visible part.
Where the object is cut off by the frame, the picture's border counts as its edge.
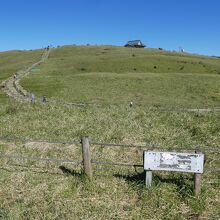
(41, 190)
(110, 124)
(117, 75)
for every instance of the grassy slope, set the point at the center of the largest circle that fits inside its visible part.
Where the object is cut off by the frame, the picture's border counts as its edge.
(42, 191)
(118, 75)
(38, 190)
(13, 61)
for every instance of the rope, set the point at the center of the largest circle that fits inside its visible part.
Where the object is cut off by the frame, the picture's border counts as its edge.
(212, 170)
(78, 162)
(115, 164)
(17, 157)
(39, 141)
(143, 147)
(153, 147)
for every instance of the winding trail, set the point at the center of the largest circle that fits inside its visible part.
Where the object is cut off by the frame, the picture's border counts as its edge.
(14, 90)
(12, 85)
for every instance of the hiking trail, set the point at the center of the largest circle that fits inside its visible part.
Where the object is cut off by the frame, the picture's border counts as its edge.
(12, 85)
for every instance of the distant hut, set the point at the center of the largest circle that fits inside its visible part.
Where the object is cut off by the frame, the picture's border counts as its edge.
(135, 43)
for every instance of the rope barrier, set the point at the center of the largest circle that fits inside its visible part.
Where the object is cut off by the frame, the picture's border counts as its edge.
(143, 147)
(116, 164)
(204, 149)
(18, 157)
(78, 162)
(38, 141)
(212, 170)
(154, 147)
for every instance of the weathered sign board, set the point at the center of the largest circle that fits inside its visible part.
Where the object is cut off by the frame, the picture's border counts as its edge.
(171, 161)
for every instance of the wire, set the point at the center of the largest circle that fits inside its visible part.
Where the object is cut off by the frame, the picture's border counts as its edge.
(78, 162)
(212, 170)
(153, 147)
(18, 157)
(117, 145)
(150, 147)
(38, 141)
(115, 164)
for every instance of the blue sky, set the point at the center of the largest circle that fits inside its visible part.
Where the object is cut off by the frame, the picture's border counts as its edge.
(191, 24)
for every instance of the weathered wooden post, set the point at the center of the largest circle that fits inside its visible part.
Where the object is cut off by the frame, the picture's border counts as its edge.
(197, 180)
(86, 157)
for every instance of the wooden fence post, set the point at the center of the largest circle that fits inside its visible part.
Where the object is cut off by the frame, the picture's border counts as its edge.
(197, 181)
(86, 157)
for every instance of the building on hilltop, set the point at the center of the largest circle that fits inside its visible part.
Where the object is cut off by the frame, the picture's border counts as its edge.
(135, 43)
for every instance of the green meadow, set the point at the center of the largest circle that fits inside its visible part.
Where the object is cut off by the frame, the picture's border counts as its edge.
(117, 75)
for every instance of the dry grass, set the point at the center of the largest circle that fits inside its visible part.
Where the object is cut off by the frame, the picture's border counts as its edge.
(42, 190)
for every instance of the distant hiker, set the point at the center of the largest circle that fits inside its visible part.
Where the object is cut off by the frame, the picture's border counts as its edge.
(48, 47)
(15, 76)
(32, 98)
(131, 104)
(44, 99)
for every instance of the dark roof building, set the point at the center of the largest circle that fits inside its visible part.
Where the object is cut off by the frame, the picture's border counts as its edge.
(135, 43)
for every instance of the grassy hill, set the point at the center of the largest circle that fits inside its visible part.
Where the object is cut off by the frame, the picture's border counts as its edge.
(43, 190)
(117, 75)
(13, 61)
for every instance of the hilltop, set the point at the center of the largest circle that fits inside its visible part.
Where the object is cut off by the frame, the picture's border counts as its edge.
(118, 75)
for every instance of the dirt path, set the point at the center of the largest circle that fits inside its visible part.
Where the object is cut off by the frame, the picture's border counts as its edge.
(12, 85)
(14, 90)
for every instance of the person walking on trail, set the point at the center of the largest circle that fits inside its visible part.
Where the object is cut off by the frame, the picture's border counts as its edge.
(33, 98)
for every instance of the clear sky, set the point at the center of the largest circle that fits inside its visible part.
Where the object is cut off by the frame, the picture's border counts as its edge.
(191, 24)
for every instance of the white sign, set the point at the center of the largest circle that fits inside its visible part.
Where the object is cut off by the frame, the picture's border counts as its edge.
(171, 161)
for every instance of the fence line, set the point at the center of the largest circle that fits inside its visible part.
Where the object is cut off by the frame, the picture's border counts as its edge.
(115, 164)
(148, 108)
(90, 161)
(19, 157)
(38, 141)
(215, 149)
(154, 147)
(79, 162)
(212, 170)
